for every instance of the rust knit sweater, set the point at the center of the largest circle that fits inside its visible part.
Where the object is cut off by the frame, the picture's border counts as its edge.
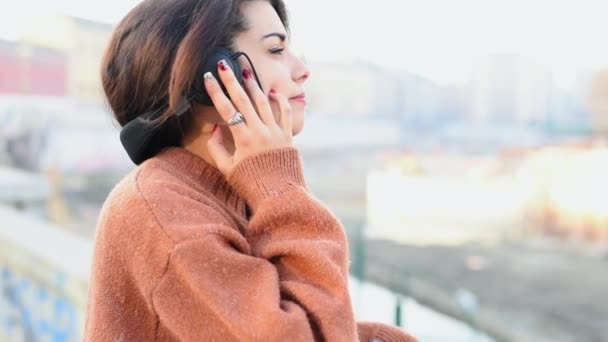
(177, 259)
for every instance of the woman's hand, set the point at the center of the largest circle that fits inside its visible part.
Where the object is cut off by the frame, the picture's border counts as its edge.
(260, 131)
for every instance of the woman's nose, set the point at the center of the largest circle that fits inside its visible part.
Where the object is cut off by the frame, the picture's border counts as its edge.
(301, 70)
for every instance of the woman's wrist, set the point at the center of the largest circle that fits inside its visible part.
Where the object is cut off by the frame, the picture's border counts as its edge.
(266, 174)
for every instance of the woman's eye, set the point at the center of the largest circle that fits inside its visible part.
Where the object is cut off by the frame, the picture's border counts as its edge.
(277, 51)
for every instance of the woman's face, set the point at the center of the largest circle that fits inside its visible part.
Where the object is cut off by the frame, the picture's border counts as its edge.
(267, 44)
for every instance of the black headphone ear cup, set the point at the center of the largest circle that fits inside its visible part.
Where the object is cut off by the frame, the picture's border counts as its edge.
(198, 92)
(142, 141)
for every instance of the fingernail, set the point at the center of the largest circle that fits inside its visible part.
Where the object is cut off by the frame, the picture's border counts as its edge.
(246, 74)
(222, 64)
(208, 76)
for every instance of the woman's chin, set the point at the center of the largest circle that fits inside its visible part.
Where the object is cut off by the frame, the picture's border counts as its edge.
(297, 123)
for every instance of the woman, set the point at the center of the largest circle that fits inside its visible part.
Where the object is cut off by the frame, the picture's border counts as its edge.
(216, 237)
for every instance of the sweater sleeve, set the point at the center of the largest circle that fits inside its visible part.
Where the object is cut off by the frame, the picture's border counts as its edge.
(309, 247)
(285, 280)
(372, 331)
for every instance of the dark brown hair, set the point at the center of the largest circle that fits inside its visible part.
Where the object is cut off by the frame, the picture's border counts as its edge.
(154, 52)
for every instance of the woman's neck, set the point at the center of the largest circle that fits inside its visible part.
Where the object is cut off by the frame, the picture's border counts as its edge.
(197, 141)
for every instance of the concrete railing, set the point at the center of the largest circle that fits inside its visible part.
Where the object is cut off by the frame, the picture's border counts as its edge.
(43, 281)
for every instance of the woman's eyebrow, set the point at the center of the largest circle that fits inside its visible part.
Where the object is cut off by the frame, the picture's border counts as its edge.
(281, 36)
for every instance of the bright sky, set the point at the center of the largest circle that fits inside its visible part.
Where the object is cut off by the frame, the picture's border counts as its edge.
(439, 39)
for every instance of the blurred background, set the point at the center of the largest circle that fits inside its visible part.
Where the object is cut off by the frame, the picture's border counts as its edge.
(462, 143)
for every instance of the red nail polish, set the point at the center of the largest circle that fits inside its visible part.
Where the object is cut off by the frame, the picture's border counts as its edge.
(222, 65)
(246, 74)
(272, 91)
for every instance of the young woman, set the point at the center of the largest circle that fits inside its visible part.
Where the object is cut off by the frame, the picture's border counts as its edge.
(215, 236)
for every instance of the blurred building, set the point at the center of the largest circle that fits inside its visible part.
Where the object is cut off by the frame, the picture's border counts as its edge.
(82, 42)
(508, 88)
(27, 69)
(597, 99)
(51, 96)
(353, 90)
(424, 103)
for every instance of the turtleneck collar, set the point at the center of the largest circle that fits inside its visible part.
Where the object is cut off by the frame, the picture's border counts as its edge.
(206, 175)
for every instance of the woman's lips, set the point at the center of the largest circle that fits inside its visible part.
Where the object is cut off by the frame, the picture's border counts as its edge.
(299, 98)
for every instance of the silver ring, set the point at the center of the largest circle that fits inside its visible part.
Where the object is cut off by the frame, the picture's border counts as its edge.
(236, 119)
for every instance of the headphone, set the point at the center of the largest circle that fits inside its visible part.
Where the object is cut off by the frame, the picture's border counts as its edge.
(142, 140)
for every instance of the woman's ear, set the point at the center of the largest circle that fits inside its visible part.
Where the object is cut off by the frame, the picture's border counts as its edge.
(205, 115)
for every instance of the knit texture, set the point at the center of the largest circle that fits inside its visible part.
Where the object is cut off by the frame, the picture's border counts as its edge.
(176, 258)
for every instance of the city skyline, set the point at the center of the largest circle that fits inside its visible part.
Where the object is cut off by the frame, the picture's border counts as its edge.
(437, 39)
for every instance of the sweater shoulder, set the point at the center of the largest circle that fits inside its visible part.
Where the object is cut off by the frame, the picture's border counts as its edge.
(125, 214)
(154, 200)
(184, 211)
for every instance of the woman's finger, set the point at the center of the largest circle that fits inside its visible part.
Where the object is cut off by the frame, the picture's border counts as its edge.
(285, 116)
(239, 96)
(223, 105)
(259, 98)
